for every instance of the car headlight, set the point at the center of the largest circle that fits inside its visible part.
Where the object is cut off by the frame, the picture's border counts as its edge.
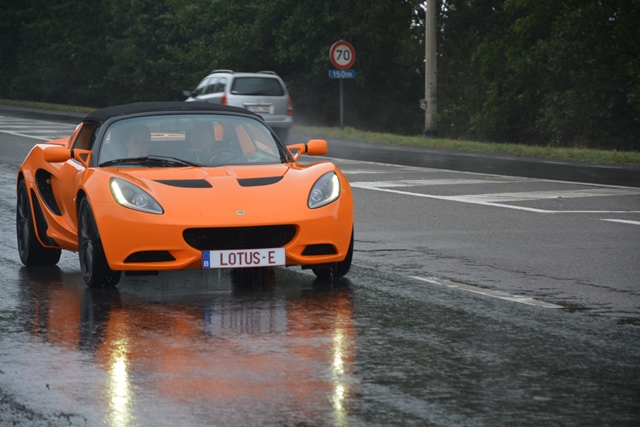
(133, 197)
(324, 191)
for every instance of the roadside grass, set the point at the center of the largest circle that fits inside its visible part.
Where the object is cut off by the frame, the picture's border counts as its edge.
(46, 106)
(584, 155)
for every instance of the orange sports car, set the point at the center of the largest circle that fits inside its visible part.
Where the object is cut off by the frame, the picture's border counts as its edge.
(155, 186)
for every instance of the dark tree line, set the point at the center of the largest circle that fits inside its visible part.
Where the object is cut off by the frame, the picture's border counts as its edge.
(529, 71)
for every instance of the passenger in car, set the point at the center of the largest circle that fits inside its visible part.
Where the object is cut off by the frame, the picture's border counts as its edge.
(138, 141)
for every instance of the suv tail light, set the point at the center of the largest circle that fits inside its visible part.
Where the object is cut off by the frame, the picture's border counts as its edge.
(223, 100)
(289, 107)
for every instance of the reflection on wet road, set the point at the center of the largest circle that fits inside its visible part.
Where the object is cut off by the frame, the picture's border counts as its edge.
(231, 347)
(197, 348)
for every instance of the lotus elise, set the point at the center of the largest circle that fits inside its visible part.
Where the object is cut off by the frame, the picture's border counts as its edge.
(155, 186)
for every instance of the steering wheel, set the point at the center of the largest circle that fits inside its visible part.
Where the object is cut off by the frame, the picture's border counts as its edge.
(223, 155)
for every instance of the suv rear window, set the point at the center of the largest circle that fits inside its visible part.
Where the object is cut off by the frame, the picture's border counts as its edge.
(256, 86)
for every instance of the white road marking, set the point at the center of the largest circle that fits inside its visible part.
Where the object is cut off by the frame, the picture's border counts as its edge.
(364, 171)
(483, 174)
(622, 221)
(486, 200)
(27, 136)
(540, 195)
(36, 129)
(432, 182)
(32, 129)
(486, 292)
(395, 170)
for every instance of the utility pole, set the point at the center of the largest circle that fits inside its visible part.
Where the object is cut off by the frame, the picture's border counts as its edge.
(430, 84)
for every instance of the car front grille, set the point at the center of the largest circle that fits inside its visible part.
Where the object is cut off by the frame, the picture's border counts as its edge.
(273, 236)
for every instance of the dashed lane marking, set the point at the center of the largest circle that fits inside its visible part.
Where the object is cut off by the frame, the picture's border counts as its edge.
(486, 292)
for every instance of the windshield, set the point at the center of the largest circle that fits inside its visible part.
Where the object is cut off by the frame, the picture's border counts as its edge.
(189, 140)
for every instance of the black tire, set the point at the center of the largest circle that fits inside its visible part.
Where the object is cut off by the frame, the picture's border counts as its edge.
(338, 269)
(32, 253)
(93, 263)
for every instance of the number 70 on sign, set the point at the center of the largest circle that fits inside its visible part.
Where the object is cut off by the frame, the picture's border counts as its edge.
(342, 55)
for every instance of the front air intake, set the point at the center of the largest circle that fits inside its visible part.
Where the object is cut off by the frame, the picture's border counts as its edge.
(320, 249)
(150, 256)
(273, 236)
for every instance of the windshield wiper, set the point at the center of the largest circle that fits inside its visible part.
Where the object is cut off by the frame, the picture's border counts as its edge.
(160, 161)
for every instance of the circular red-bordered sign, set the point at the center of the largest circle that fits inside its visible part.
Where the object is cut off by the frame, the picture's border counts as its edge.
(342, 55)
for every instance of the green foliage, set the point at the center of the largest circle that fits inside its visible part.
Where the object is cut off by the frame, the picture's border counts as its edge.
(543, 72)
(538, 72)
(588, 53)
(58, 57)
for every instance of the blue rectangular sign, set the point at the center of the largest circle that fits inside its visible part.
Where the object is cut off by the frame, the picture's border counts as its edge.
(342, 74)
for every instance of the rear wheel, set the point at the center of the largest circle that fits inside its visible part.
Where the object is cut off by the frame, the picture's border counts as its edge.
(93, 262)
(338, 269)
(32, 253)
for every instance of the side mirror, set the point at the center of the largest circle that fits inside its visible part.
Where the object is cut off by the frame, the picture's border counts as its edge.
(56, 154)
(186, 93)
(315, 147)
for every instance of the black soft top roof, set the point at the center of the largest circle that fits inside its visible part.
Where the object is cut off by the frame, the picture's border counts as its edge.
(104, 114)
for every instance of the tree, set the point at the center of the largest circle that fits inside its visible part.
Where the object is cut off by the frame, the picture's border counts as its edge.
(542, 72)
(60, 57)
(528, 71)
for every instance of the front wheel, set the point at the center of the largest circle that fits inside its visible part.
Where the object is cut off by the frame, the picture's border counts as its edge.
(31, 251)
(93, 262)
(338, 269)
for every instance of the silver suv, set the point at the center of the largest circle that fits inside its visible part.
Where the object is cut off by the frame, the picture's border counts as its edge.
(263, 93)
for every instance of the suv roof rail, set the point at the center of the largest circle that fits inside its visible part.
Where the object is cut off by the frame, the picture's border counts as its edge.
(222, 71)
(268, 72)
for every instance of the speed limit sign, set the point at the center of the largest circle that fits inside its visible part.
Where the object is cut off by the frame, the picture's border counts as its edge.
(342, 55)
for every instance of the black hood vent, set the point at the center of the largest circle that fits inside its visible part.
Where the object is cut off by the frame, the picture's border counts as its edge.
(185, 183)
(256, 182)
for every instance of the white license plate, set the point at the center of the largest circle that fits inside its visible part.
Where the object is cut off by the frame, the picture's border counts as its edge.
(243, 258)
(264, 109)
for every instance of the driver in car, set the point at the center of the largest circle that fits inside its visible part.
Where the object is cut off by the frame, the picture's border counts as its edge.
(208, 140)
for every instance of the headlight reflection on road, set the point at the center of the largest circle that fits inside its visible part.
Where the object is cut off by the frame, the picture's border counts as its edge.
(340, 354)
(119, 389)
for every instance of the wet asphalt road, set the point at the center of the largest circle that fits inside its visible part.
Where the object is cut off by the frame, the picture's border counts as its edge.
(373, 350)
(378, 348)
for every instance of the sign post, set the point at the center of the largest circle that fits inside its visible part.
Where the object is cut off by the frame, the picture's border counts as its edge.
(342, 56)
